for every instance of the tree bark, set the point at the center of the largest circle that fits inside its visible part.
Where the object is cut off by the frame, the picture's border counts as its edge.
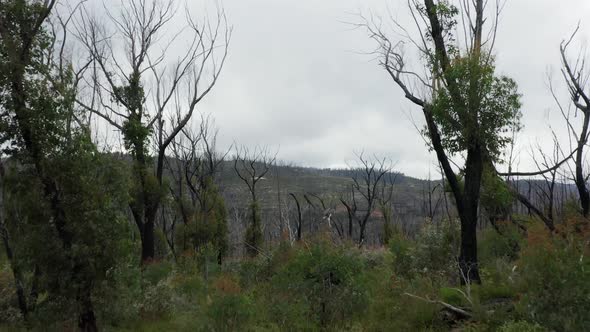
(18, 279)
(580, 179)
(468, 262)
(86, 318)
(147, 242)
(299, 218)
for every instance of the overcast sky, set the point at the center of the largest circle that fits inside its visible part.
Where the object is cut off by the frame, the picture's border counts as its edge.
(297, 79)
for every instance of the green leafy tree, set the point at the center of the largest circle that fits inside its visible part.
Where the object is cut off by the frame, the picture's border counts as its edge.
(60, 188)
(468, 108)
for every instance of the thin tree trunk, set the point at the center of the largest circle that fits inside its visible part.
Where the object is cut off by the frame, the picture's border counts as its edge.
(299, 218)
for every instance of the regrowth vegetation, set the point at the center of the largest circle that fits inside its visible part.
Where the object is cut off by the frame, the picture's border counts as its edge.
(151, 236)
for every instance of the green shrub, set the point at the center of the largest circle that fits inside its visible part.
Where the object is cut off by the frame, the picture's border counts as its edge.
(9, 312)
(437, 248)
(155, 272)
(521, 326)
(505, 244)
(554, 279)
(229, 312)
(157, 300)
(402, 259)
(452, 296)
(117, 300)
(325, 283)
(433, 253)
(228, 308)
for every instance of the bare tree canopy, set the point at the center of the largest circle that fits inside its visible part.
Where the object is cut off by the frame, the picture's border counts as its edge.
(136, 88)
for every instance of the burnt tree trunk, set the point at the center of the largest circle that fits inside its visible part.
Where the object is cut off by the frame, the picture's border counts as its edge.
(468, 262)
(86, 317)
(580, 180)
(299, 218)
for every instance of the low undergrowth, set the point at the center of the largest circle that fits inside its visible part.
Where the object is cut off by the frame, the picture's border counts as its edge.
(531, 282)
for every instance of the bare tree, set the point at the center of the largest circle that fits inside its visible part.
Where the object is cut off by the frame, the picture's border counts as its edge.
(546, 191)
(576, 79)
(367, 180)
(251, 166)
(431, 202)
(576, 76)
(139, 82)
(349, 203)
(299, 217)
(384, 200)
(194, 167)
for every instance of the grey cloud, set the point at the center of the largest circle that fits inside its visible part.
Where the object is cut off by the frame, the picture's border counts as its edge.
(296, 78)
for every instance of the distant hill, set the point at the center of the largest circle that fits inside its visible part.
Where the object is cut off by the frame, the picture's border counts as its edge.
(329, 184)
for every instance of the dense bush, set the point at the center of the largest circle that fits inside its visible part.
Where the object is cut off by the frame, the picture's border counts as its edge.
(322, 283)
(500, 243)
(228, 309)
(317, 285)
(521, 326)
(433, 253)
(554, 273)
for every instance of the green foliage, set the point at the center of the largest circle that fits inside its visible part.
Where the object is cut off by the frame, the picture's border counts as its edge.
(65, 201)
(321, 286)
(433, 253)
(229, 309)
(93, 196)
(135, 134)
(554, 277)
(503, 243)
(452, 296)
(308, 287)
(402, 258)
(389, 230)
(392, 310)
(135, 131)
(9, 312)
(48, 93)
(447, 14)
(229, 312)
(489, 107)
(496, 198)
(521, 326)
(207, 228)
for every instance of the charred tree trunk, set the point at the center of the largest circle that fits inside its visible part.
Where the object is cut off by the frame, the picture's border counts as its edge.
(299, 219)
(86, 318)
(580, 180)
(350, 214)
(468, 262)
(147, 242)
